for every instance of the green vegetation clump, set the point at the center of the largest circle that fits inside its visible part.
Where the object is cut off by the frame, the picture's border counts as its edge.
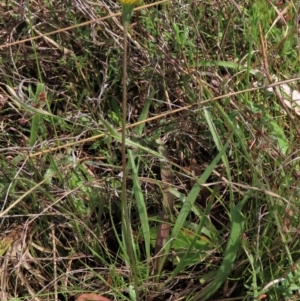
(211, 141)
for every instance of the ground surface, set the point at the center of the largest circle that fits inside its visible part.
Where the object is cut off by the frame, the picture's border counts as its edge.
(206, 134)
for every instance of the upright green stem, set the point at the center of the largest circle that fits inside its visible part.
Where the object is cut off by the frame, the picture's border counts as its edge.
(126, 225)
(124, 116)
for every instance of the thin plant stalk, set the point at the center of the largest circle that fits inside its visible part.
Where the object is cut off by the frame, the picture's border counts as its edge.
(127, 7)
(125, 214)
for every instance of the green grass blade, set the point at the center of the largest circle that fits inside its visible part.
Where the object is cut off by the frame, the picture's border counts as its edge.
(190, 200)
(139, 128)
(181, 266)
(232, 248)
(218, 143)
(137, 191)
(117, 136)
(34, 129)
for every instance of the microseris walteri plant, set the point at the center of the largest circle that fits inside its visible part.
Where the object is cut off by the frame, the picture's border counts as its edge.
(127, 12)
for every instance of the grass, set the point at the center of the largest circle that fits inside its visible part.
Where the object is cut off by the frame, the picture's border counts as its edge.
(211, 142)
